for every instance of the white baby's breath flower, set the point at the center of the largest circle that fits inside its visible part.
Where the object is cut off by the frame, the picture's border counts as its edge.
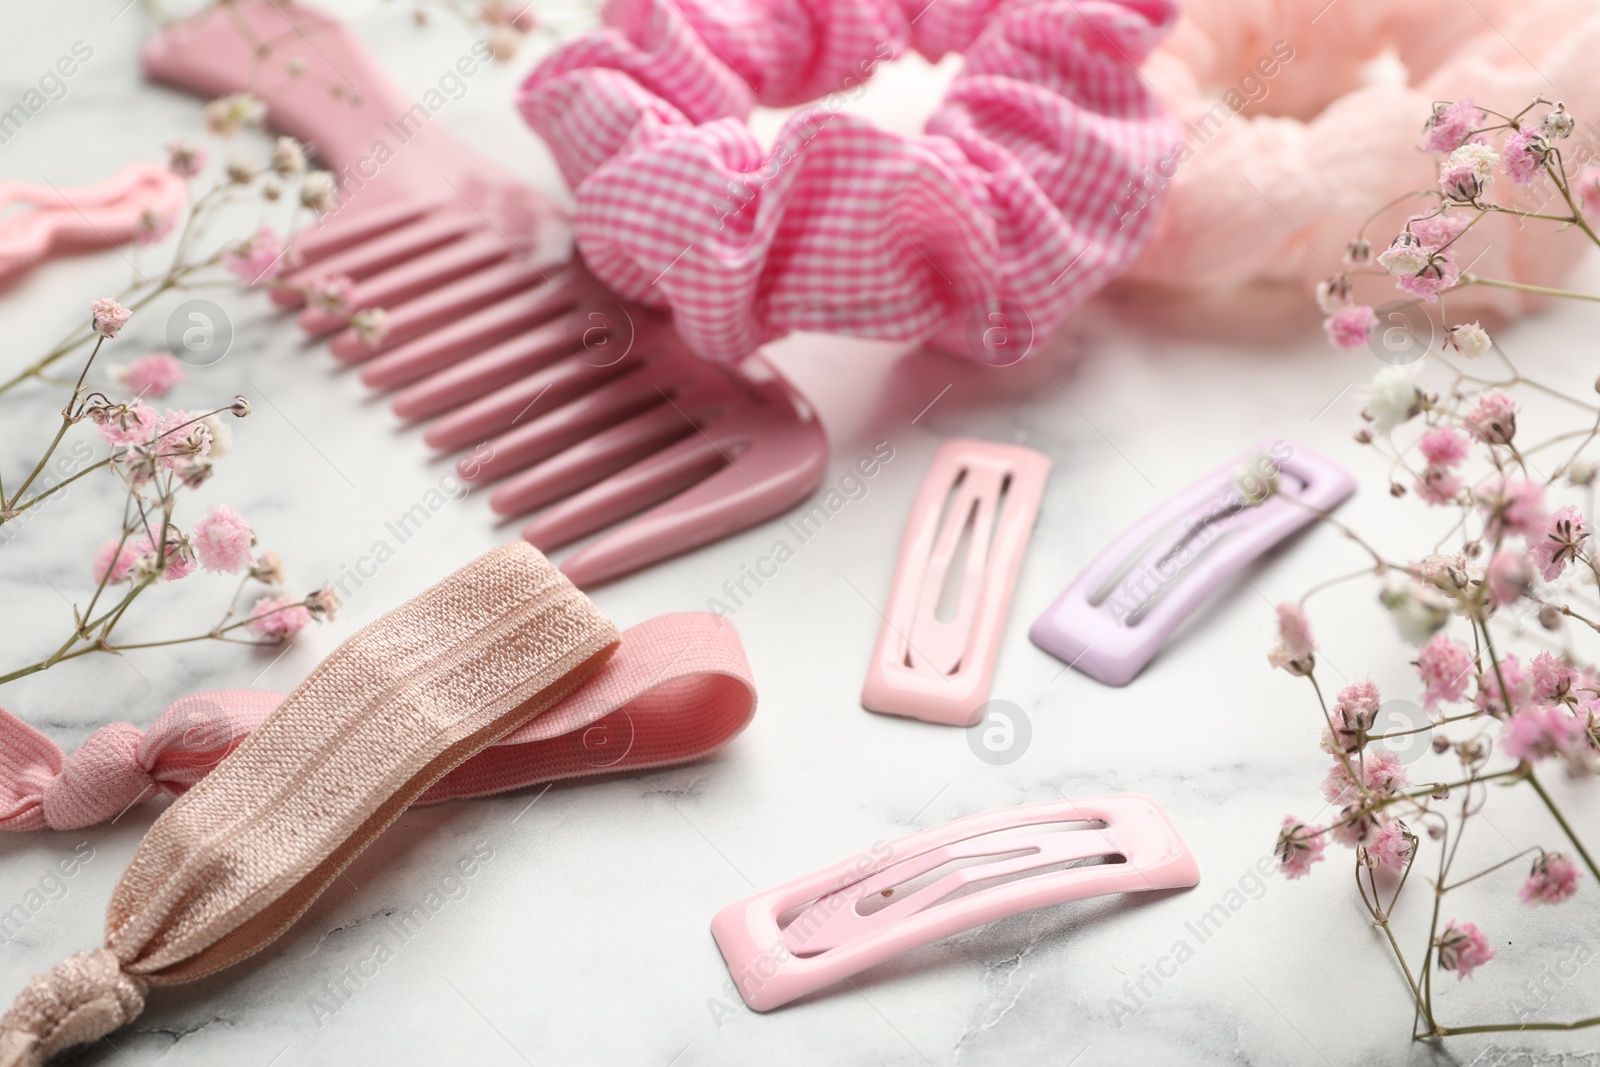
(370, 324)
(227, 115)
(317, 191)
(221, 435)
(1394, 398)
(1405, 254)
(1479, 157)
(1257, 480)
(1470, 339)
(1333, 293)
(1558, 124)
(288, 157)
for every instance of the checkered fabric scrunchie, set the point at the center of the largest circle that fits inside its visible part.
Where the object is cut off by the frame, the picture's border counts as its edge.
(1009, 200)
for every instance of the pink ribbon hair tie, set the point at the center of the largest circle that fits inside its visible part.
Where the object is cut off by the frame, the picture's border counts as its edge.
(678, 688)
(504, 659)
(1007, 204)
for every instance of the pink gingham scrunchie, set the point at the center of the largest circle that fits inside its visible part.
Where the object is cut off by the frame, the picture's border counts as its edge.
(1010, 199)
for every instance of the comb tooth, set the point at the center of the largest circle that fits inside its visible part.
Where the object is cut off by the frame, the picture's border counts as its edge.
(628, 492)
(500, 411)
(385, 250)
(413, 278)
(516, 360)
(341, 230)
(539, 438)
(442, 306)
(416, 359)
(776, 457)
(516, 372)
(590, 460)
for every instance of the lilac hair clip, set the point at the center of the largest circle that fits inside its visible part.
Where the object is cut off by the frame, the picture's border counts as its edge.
(1115, 617)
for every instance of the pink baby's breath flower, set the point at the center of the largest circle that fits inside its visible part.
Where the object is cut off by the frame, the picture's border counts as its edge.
(1299, 846)
(108, 317)
(1553, 677)
(1512, 506)
(1439, 486)
(255, 259)
(1463, 949)
(1355, 826)
(1438, 274)
(185, 159)
(1350, 327)
(1553, 879)
(1509, 576)
(1519, 681)
(278, 616)
(1493, 420)
(1443, 446)
(153, 226)
(180, 439)
(126, 424)
(1446, 670)
(1437, 231)
(1354, 710)
(1560, 543)
(1294, 649)
(323, 603)
(1524, 153)
(1541, 731)
(180, 561)
(1389, 846)
(114, 561)
(331, 295)
(223, 541)
(152, 375)
(1451, 124)
(1381, 771)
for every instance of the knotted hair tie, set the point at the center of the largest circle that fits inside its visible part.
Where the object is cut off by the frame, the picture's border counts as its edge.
(678, 688)
(238, 858)
(1006, 203)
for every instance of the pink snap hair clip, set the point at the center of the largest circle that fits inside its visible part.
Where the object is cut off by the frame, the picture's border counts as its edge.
(821, 929)
(1115, 617)
(959, 559)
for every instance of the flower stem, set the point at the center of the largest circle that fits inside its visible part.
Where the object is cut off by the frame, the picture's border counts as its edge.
(1588, 861)
(1542, 290)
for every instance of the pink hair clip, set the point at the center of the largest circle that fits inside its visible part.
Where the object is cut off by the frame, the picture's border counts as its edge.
(959, 560)
(825, 927)
(1113, 619)
(139, 199)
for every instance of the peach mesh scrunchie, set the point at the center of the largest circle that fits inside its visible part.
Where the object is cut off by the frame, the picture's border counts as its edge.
(236, 860)
(1273, 193)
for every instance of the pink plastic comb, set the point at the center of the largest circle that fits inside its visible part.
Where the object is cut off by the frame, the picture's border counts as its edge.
(959, 559)
(798, 938)
(585, 405)
(1116, 615)
(95, 216)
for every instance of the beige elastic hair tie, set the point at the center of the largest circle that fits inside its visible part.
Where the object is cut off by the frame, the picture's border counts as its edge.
(236, 860)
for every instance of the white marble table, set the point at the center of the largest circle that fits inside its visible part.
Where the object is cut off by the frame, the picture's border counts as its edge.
(584, 938)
